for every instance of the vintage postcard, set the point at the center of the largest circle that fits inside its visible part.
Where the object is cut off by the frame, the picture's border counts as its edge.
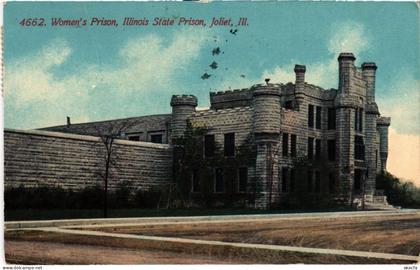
(209, 132)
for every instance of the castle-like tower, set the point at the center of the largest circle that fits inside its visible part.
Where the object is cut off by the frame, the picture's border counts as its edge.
(183, 106)
(341, 129)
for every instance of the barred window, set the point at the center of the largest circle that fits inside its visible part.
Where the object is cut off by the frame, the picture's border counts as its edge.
(310, 148)
(318, 117)
(229, 144)
(359, 148)
(331, 118)
(285, 144)
(209, 145)
(293, 145)
(310, 116)
(358, 119)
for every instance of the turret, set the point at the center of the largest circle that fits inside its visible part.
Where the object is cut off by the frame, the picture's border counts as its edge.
(345, 71)
(369, 75)
(300, 83)
(382, 126)
(266, 100)
(266, 103)
(183, 106)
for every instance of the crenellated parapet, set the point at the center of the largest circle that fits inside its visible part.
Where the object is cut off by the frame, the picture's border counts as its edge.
(184, 100)
(230, 98)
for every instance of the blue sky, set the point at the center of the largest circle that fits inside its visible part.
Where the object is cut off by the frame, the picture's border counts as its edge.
(95, 73)
(98, 73)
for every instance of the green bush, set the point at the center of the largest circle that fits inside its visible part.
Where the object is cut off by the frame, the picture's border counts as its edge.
(123, 196)
(399, 193)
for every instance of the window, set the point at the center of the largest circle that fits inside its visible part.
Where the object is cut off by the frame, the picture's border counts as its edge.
(243, 179)
(292, 180)
(317, 182)
(195, 178)
(318, 117)
(331, 150)
(284, 179)
(156, 138)
(219, 185)
(293, 145)
(310, 116)
(309, 181)
(229, 144)
(209, 145)
(359, 148)
(134, 138)
(358, 119)
(318, 149)
(288, 104)
(331, 118)
(310, 148)
(285, 144)
(331, 179)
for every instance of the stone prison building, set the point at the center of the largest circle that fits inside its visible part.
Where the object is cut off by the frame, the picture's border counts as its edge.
(328, 142)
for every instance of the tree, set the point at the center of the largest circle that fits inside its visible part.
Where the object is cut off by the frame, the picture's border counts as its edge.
(189, 157)
(107, 135)
(398, 192)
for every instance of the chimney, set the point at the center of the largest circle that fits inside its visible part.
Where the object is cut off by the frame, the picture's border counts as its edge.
(68, 121)
(300, 74)
(345, 71)
(369, 74)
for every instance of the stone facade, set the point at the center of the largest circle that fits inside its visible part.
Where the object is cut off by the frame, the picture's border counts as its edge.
(341, 126)
(341, 129)
(42, 158)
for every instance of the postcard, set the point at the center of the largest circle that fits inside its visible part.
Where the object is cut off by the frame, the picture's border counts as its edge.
(206, 132)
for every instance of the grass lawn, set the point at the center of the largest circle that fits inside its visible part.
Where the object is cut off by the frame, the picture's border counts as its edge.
(389, 234)
(45, 214)
(397, 234)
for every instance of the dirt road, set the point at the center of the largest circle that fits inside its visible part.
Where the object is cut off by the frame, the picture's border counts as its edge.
(29, 252)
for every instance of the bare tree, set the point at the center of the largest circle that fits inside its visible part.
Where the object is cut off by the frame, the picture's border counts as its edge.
(108, 135)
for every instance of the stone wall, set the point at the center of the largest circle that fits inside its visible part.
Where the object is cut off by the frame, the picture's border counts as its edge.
(36, 158)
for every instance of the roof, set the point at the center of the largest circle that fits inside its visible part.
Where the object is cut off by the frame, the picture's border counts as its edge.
(126, 125)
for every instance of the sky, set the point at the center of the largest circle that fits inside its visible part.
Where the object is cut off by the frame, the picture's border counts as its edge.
(95, 73)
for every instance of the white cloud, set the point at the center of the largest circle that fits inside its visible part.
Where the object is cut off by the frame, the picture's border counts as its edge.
(404, 156)
(31, 79)
(402, 104)
(321, 73)
(149, 64)
(345, 37)
(348, 37)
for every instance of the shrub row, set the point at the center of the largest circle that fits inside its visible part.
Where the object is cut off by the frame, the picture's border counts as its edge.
(92, 197)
